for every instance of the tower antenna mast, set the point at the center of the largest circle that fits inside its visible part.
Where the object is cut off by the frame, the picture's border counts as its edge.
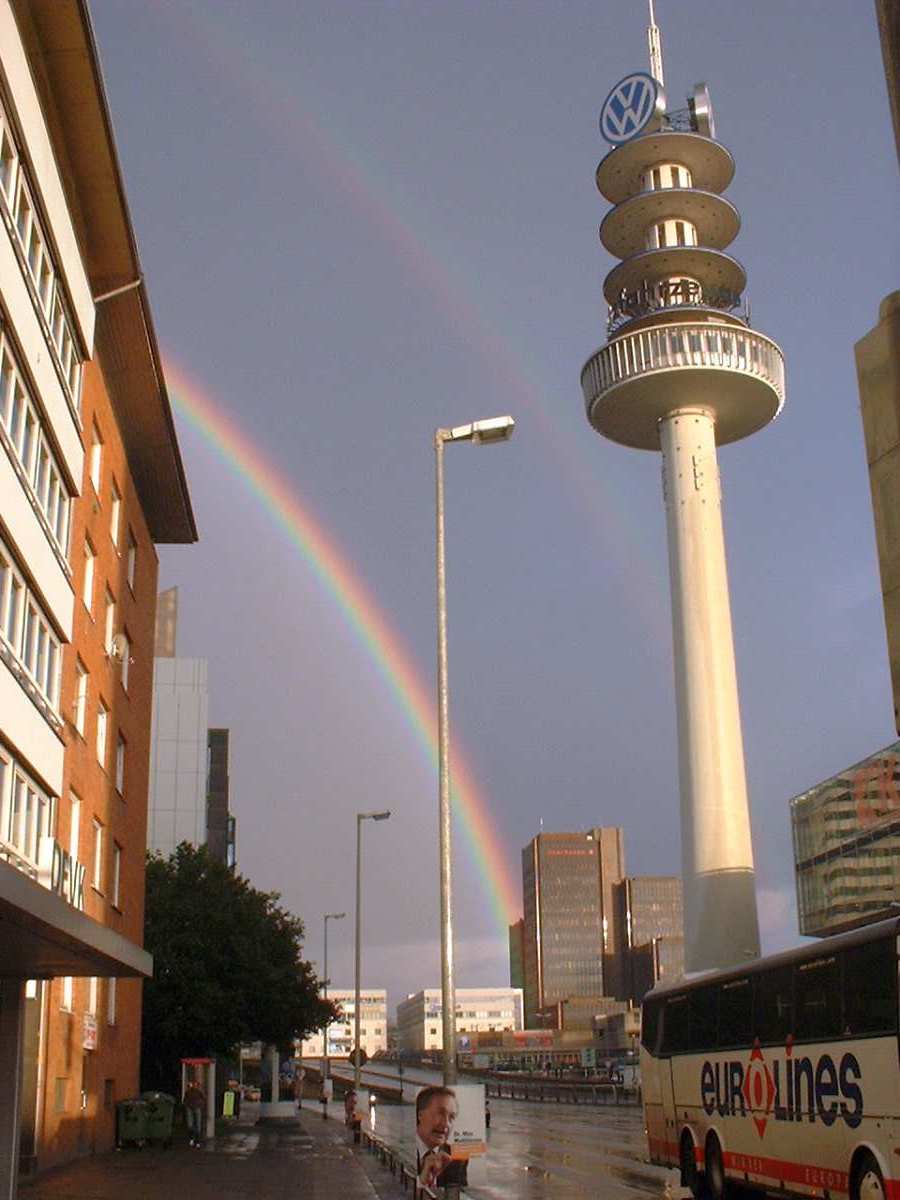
(655, 43)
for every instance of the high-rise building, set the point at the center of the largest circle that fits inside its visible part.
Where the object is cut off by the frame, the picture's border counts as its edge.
(651, 930)
(847, 846)
(682, 373)
(517, 954)
(91, 478)
(189, 762)
(569, 932)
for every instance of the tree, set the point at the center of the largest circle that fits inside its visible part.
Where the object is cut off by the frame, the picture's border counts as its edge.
(228, 966)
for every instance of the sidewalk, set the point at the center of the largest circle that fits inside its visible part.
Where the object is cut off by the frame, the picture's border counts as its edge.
(306, 1157)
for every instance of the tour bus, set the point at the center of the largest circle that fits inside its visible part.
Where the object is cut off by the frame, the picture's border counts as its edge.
(783, 1073)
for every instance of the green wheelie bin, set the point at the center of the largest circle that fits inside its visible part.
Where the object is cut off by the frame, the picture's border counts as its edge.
(131, 1122)
(160, 1116)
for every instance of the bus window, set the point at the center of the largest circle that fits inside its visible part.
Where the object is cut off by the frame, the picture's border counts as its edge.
(676, 1025)
(773, 1005)
(650, 1025)
(735, 1013)
(817, 987)
(870, 988)
(704, 1005)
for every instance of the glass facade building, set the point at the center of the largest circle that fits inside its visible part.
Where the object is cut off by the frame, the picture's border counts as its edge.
(846, 833)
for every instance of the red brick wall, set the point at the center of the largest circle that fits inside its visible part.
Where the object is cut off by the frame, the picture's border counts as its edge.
(77, 1130)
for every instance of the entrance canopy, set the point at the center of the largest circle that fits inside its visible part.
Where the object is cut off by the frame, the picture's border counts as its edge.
(42, 935)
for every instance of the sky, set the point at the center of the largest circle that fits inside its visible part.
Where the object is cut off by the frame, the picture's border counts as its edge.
(362, 221)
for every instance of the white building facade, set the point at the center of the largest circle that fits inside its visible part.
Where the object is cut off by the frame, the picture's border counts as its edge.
(372, 1025)
(478, 1010)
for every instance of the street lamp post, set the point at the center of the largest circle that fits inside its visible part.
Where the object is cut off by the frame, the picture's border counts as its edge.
(360, 817)
(492, 429)
(328, 917)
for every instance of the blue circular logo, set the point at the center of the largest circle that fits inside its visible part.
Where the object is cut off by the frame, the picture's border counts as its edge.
(628, 107)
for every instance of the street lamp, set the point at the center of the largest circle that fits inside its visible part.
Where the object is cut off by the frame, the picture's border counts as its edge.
(328, 917)
(492, 429)
(360, 817)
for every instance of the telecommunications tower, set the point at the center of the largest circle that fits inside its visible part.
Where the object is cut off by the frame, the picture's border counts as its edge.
(682, 372)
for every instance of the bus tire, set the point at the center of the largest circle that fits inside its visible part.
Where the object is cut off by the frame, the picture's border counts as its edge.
(868, 1182)
(716, 1183)
(690, 1177)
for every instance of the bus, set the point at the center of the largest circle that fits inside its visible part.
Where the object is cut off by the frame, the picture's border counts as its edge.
(782, 1074)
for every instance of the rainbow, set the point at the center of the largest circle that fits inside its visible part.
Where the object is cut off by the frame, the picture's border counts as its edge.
(370, 627)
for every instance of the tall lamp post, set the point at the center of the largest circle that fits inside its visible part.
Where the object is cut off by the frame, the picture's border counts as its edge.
(328, 917)
(360, 817)
(492, 429)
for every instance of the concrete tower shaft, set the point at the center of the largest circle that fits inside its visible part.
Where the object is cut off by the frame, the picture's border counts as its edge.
(682, 372)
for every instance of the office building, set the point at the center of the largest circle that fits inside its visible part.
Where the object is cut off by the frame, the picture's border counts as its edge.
(846, 833)
(651, 928)
(570, 933)
(373, 1026)
(517, 954)
(189, 762)
(91, 479)
(484, 1010)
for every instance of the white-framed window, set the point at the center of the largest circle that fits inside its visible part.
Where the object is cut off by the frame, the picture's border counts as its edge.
(132, 559)
(92, 995)
(102, 729)
(67, 1001)
(26, 814)
(126, 659)
(41, 654)
(121, 746)
(81, 696)
(111, 1000)
(74, 825)
(96, 457)
(9, 160)
(87, 587)
(28, 435)
(116, 874)
(109, 621)
(12, 595)
(97, 855)
(115, 514)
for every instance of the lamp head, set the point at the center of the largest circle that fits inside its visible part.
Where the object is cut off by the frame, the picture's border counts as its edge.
(490, 429)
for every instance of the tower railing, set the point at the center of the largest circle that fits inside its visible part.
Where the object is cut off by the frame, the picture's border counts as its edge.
(683, 346)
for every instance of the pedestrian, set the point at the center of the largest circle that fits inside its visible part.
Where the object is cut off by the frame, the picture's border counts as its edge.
(487, 1113)
(194, 1104)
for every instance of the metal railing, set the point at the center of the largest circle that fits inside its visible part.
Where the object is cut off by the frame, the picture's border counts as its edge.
(682, 347)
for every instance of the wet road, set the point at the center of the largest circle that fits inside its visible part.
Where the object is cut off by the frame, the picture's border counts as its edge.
(554, 1152)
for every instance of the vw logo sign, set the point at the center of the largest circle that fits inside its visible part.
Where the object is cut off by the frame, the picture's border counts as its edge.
(628, 107)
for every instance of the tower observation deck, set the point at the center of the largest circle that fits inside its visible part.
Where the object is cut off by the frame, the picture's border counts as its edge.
(681, 373)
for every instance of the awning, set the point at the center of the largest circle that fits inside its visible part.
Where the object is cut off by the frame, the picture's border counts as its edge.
(41, 936)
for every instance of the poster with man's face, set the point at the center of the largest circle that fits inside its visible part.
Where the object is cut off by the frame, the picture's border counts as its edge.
(450, 1121)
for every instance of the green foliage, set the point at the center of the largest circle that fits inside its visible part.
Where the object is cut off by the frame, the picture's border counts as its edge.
(227, 966)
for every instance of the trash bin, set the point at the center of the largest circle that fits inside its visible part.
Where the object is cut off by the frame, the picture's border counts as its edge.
(160, 1112)
(131, 1122)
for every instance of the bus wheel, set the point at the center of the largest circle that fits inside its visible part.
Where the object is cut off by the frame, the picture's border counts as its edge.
(868, 1182)
(690, 1176)
(716, 1183)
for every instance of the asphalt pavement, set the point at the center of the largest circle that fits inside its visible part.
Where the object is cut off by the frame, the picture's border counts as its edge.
(304, 1158)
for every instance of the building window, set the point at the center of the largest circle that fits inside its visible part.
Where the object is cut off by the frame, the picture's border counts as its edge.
(132, 559)
(126, 659)
(74, 826)
(26, 816)
(92, 996)
(120, 765)
(41, 653)
(81, 696)
(96, 457)
(12, 590)
(109, 625)
(66, 1002)
(97, 859)
(115, 514)
(102, 724)
(116, 874)
(87, 587)
(111, 1001)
